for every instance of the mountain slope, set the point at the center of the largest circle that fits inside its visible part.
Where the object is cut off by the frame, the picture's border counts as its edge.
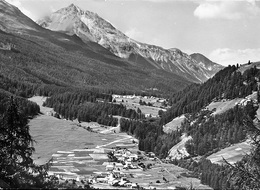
(228, 83)
(90, 27)
(44, 57)
(12, 17)
(206, 63)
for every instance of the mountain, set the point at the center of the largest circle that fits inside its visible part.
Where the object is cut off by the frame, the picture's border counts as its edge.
(13, 18)
(246, 66)
(47, 58)
(91, 27)
(221, 117)
(206, 63)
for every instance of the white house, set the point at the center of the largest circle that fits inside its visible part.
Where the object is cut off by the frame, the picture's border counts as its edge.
(110, 167)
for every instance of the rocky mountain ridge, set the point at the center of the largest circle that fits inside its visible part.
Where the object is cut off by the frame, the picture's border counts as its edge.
(91, 27)
(13, 18)
(44, 57)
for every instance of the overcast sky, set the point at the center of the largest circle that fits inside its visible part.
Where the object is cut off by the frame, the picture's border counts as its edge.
(225, 31)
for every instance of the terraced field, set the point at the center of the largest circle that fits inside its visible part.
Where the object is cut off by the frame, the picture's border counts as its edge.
(80, 154)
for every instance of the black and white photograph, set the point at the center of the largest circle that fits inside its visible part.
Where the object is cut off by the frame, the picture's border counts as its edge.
(130, 94)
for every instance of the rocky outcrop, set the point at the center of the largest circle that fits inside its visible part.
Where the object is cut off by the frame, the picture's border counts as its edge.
(91, 27)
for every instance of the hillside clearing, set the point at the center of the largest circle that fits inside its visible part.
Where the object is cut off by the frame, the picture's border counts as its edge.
(132, 102)
(223, 106)
(232, 154)
(245, 67)
(174, 124)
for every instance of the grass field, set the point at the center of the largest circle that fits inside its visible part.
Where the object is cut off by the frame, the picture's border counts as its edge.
(174, 124)
(232, 154)
(153, 178)
(80, 154)
(223, 106)
(52, 134)
(246, 66)
(133, 103)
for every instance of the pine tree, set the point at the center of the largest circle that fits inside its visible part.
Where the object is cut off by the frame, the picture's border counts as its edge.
(16, 165)
(246, 173)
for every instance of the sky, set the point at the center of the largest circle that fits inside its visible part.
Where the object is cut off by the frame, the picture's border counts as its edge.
(225, 31)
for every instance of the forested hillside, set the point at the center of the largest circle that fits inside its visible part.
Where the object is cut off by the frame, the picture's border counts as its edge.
(90, 106)
(27, 108)
(79, 79)
(49, 58)
(20, 91)
(229, 83)
(209, 133)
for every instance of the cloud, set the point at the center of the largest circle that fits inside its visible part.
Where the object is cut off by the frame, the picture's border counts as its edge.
(133, 33)
(226, 9)
(226, 56)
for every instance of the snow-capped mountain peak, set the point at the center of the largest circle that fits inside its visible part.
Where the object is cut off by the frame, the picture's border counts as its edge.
(73, 8)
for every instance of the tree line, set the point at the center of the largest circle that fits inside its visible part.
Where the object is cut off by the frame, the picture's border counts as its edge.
(244, 174)
(87, 106)
(17, 169)
(26, 107)
(150, 135)
(211, 133)
(228, 83)
(214, 175)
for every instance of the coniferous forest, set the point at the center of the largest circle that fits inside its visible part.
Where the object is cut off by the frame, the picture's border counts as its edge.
(229, 83)
(89, 106)
(79, 78)
(209, 133)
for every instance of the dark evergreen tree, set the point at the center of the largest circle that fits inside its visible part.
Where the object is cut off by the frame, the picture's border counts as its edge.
(246, 173)
(16, 145)
(16, 165)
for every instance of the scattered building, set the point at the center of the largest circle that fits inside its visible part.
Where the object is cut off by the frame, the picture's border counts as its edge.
(7, 46)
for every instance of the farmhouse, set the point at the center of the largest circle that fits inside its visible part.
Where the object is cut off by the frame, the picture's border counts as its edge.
(110, 167)
(100, 100)
(5, 46)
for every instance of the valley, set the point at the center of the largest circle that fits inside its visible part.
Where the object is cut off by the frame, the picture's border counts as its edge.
(149, 106)
(79, 154)
(111, 112)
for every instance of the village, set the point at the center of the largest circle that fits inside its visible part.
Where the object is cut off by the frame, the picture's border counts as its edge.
(101, 158)
(149, 105)
(118, 165)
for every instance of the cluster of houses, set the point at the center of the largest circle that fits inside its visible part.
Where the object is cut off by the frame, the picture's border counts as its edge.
(115, 179)
(122, 160)
(161, 100)
(249, 98)
(122, 165)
